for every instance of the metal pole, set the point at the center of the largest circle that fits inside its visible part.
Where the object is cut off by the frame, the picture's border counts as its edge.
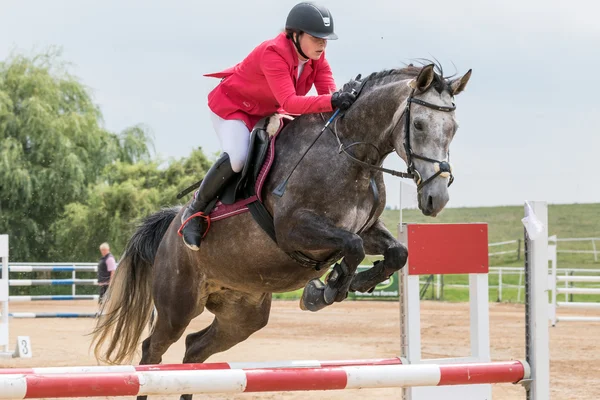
(4, 332)
(536, 300)
(500, 285)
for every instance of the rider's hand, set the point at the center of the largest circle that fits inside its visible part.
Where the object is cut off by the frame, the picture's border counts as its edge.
(342, 100)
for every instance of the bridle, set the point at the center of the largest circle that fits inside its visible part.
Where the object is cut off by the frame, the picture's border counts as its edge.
(442, 168)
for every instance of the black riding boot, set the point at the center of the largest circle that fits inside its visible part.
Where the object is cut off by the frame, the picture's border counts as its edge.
(213, 183)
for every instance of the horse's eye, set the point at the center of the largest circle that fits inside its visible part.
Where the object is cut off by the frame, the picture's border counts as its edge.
(418, 125)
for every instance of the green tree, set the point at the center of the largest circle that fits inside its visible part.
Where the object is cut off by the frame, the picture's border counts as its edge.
(114, 206)
(52, 147)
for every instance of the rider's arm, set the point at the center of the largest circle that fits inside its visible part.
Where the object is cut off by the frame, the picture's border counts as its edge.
(276, 71)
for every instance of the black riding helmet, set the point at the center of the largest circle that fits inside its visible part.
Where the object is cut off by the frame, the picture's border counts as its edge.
(311, 18)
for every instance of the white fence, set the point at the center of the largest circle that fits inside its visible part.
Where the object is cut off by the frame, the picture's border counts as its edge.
(566, 275)
(55, 267)
(591, 276)
(551, 240)
(501, 272)
(497, 253)
(592, 240)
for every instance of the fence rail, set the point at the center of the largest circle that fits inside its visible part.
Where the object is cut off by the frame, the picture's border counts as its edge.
(49, 267)
(553, 239)
(500, 273)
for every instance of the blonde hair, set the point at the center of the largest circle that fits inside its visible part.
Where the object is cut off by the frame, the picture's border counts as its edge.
(104, 246)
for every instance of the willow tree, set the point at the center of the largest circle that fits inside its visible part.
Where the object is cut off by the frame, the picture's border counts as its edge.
(52, 147)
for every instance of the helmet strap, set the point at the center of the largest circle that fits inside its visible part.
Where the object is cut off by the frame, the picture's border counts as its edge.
(297, 44)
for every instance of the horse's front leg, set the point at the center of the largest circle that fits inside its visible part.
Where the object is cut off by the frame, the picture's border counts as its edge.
(307, 232)
(377, 240)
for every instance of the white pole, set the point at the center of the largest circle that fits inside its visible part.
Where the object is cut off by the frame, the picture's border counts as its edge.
(4, 339)
(400, 206)
(553, 281)
(536, 299)
(567, 285)
(500, 285)
(520, 285)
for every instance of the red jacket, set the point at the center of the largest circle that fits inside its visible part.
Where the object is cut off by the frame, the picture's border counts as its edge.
(266, 82)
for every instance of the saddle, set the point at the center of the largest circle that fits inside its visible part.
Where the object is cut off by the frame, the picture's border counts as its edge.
(244, 193)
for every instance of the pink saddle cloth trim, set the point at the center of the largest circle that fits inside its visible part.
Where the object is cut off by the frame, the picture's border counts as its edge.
(222, 211)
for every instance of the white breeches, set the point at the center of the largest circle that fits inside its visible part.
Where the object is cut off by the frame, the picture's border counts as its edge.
(235, 139)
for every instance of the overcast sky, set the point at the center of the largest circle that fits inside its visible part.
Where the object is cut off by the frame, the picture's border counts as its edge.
(528, 118)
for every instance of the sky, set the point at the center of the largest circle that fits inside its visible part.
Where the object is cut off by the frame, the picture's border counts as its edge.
(528, 117)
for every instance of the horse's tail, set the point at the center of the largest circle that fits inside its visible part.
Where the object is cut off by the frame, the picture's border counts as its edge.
(128, 303)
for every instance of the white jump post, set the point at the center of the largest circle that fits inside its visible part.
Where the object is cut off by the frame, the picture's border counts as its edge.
(446, 249)
(4, 295)
(462, 249)
(23, 343)
(536, 299)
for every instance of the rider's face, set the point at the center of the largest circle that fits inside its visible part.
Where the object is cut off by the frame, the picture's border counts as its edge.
(312, 46)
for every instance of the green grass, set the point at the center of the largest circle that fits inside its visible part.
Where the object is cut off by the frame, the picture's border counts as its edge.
(504, 223)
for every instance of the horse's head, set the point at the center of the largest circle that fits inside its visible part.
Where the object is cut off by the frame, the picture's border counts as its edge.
(409, 111)
(428, 126)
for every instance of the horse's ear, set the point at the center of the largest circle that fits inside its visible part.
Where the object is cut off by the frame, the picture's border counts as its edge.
(458, 85)
(424, 79)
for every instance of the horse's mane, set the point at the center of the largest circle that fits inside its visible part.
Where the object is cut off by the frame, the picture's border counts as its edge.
(440, 82)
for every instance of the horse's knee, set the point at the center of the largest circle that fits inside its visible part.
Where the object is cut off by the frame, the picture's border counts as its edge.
(355, 252)
(396, 257)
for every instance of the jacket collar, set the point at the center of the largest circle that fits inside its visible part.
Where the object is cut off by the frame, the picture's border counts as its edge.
(308, 67)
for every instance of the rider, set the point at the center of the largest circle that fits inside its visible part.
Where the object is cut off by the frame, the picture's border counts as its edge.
(274, 77)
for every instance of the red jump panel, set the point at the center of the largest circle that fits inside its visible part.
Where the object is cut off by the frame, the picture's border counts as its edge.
(447, 248)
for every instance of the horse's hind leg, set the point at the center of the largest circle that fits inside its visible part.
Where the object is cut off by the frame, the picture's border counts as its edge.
(176, 306)
(378, 240)
(237, 316)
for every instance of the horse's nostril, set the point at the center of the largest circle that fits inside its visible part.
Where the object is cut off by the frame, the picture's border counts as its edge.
(429, 202)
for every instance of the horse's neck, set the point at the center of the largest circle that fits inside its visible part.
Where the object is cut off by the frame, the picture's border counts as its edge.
(374, 118)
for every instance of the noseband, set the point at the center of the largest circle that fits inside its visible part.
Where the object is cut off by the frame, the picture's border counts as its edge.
(442, 168)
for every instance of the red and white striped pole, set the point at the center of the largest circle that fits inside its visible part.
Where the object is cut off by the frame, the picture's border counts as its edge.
(23, 386)
(203, 366)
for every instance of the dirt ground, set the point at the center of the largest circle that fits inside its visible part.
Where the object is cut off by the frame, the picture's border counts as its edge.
(343, 331)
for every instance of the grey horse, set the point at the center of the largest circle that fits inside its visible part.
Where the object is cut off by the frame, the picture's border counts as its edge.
(334, 195)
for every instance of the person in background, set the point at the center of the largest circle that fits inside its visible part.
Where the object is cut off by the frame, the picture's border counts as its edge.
(106, 268)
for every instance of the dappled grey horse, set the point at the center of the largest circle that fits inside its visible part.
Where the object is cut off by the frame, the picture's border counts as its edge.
(325, 193)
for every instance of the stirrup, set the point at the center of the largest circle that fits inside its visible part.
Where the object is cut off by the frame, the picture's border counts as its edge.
(198, 214)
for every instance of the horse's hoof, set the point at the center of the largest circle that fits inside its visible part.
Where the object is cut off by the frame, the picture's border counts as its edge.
(316, 296)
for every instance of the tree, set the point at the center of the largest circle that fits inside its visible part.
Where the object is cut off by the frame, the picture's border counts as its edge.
(52, 147)
(114, 206)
